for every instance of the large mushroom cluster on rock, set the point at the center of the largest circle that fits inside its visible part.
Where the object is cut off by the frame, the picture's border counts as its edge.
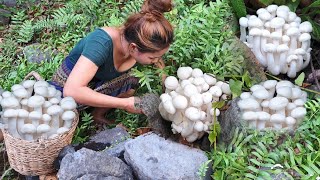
(273, 104)
(279, 40)
(35, 109)
(187, 101)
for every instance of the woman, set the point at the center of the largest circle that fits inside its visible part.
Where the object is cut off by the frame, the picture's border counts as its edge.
(96, 72)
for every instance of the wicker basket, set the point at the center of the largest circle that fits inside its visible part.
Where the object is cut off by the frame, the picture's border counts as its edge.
(33, 158)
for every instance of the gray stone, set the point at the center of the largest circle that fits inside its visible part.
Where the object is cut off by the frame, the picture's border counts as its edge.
(153, 157)
(9, 3)
(117, 150)
(96, 164)
(4, 17)
(110, 136)
(34, 53)
(229, 120)
(97, 177)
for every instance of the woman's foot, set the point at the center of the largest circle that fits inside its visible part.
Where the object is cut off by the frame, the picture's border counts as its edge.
(99, 116)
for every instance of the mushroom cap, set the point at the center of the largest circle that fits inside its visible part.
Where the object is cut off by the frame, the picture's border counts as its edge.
(226, 88)
(68, 115)
(305, 27)
(299, 102)
(165, 96)
(263, 116)
(196, 72)
(243, 21)
(36, 101)
(276, 35)
(184, 82)
(184, 72)
(304, 37)
(47, 104)
(255, 32)
(284, 83)
(272, 8)
(265, 16)
(269, 48)
(198, 126)
(6, 94)
(215, 91)
(62, 130)
(265, 33)
(296, 92)
(298, 112)
(189, 90)
(269, 84)
(248, 104)
(28, 128)
(210, 79)
(22, 113)
(168, 106)
(196, 100)
(282, 48)
(46, 117)
(291, 58)
(277, 22)
(261, 10)
(261, 94)
(250, 116)
(68, 105)
(285, 38)
(291, 16)
(285, 91)
(293, 31)
(277, 118)
(256, 87)
(171, 82)
(254, 22)
(41, 83)
(10, 113)
(28, 83)
(54, 109)
(290, 120)
(20, 93)
(67, 98)
(193, 113)
(265, 104)
(16, 87)
(43, 128)
(206, 97)
(278, 103)
(283, 8)
(299, 51)
(245, 95)
(51, 91)
(198, 81)
(41, 91)
(10, 102)
(35, 115)
(180, 102)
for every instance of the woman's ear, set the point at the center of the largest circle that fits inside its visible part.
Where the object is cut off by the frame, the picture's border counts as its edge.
(133, 47)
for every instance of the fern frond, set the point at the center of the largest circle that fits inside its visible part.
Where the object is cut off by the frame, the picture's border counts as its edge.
(26, 31)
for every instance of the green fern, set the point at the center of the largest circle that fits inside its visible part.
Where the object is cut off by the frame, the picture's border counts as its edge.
(239, 8)
(26, 31)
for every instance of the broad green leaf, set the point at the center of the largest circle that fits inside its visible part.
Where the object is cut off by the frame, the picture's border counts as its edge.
(299, 80)
(235, 87)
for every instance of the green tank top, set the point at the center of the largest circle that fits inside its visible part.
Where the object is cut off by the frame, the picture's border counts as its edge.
(97, 46)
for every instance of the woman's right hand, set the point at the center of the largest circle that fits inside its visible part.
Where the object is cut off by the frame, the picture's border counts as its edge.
(130, 107)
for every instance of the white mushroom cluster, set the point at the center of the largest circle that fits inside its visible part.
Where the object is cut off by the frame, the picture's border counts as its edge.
(187, 101)
(34, 109)
(278, 39)
(273, 104)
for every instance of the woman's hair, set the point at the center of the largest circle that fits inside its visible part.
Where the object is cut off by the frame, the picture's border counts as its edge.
(149, 29)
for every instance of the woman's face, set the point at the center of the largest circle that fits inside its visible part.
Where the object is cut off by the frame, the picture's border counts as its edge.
(148, 57)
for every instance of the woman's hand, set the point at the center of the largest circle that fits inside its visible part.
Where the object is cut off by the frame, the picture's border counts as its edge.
(130, 107)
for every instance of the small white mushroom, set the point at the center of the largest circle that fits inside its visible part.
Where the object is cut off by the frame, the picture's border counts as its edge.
(11, 115)
(42, 130)
(54, 111)
(171, 83)
(184, 72)
(36, 103)
(29, 131)
(35, 118)
(277, 120)
(68, 117)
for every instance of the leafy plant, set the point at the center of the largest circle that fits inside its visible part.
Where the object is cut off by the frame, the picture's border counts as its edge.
(131, 121)
(237, 86)
(308, 14)
(85, 126)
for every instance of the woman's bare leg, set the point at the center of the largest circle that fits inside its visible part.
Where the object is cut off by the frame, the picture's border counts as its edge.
(99, 113)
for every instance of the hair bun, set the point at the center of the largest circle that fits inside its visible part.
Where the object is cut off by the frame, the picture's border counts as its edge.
(160, 6)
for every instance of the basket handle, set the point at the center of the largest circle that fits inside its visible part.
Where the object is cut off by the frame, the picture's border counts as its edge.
(34, 74)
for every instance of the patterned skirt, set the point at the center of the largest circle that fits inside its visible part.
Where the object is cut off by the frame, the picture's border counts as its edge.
(113, 87)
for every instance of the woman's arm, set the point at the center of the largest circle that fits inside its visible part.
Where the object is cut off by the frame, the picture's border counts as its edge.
(76, 87)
